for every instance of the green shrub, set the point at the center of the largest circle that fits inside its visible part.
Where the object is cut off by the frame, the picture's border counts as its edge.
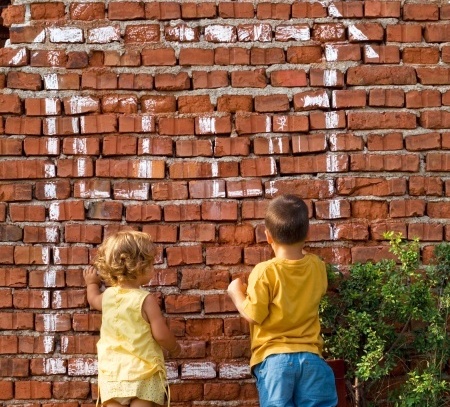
(392, 315)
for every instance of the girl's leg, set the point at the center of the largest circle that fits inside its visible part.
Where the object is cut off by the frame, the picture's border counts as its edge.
(111, 403)
(142, 403)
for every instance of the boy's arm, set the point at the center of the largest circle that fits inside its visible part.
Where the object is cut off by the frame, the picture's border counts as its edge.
(93, 282)
(236, 291)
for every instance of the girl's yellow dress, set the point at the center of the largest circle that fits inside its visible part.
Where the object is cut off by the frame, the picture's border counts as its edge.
(130, 361)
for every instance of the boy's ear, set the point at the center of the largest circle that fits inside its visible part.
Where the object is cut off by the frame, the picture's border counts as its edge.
(268, 236)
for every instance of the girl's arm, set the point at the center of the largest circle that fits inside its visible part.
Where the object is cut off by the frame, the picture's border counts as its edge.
(160, 330)
(93, 282)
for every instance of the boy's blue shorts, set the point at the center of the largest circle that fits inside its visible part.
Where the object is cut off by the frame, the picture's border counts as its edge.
(295, 380)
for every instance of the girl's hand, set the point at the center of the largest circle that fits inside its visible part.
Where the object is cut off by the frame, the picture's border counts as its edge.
(91, 277)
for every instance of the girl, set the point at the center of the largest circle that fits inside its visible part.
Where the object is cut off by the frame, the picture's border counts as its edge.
(131, 368)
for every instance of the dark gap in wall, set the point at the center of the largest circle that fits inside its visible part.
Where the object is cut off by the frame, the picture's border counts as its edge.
(4, 31)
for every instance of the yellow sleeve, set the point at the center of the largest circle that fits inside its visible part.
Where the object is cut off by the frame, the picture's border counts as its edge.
(256, 303)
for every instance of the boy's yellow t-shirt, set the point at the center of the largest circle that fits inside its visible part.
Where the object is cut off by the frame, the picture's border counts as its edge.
(283, 299)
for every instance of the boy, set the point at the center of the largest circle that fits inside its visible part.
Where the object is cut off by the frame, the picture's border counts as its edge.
(281, 303)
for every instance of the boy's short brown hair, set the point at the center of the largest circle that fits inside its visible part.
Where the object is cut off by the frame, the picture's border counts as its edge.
(287, 219)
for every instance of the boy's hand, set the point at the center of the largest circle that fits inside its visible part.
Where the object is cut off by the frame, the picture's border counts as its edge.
(91, 277)
(237, 286)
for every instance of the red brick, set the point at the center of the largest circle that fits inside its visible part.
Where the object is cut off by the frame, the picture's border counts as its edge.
(13, 57)
(342, 52)
(361, 186)
(201, 232)
(308, 10)
(423, 98)
(426, 141)
(219, 210)
(407, 208)
(308, 54)
(185, 212)
(231, 146)
(404, 33)
(87, 11)
(231, 56)
(419, 185)
(381, 75)
(204, 189)
(328, 32)
(382, 9)
(218, 303)
(198, 10)
(13, 15)
(420, 12)
(377, 120)
(311, 100)
(326, 77)
(162, 11)
(385, 142)
(235, 103)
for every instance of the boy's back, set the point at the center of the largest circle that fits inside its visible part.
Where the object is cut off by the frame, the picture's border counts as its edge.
(281, 303)
(283, 297)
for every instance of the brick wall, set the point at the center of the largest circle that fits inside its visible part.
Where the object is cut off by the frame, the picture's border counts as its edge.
(183, 119)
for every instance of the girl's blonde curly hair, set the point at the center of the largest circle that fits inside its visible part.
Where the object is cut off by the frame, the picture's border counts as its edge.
(124, 256)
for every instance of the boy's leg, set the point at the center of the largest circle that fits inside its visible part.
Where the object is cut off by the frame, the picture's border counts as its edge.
(275, 380)
(316, 386)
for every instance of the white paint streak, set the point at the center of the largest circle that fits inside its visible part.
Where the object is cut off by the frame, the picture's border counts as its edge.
(334, 209)
(51, 126)
(53, 366)
(51, 234)
(220, 33)
(45, 255)
(51, 81)
(81, 167)
(83, 367)
(333, 141)
(45, 299)
(52, 145)
(103, 35)
(215, 169)
(199, 370)
(292, 32)
(331, 120)
(51, 106)
(330, 186)
(207, 125)
(146, 146)
(50, 191)
(268, 124)
(49, 170)
(330, 77)
(50, 322)
(273, 166)
(81, 104)
(79, 146)
(50, 278)
(147, 123)
(40, 37)
(356, 34)
(317, 101)
(53, 211)
(331, 53)
(183, 33)
(48, 343)
(333, 11)
(56, 255)
(145, 169)
(332, 163)
(57, 299)
(216, 192)
(66, 34)
(75, 128)
(282, 122)
(229, 371)
(370, 52)
(64, 344)
(15, 60)
(272, 190)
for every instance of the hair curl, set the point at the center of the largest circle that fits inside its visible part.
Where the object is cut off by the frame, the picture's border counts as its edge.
(124, 256)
